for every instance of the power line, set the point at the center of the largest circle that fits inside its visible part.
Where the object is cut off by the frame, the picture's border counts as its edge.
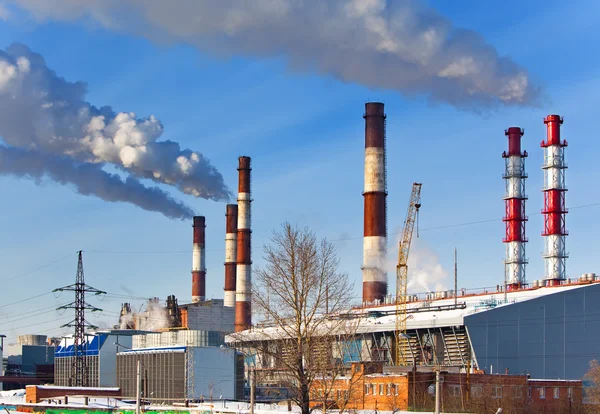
(25, 300)
(39, 268)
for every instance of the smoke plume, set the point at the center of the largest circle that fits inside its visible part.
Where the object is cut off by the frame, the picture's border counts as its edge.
(425, 273)
(48, 118)
(155, 317)
(401, 45)
(89, 179)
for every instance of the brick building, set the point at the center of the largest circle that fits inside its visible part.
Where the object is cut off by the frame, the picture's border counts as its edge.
(37, 393)
(368, 387)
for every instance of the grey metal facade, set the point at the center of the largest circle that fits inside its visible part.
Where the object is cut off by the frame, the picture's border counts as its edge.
(552, 336)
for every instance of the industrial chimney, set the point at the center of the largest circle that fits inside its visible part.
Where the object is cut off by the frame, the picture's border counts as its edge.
(375, 222)
(231, 225)
(198, 261)
(554, 202)
(515, 218)
(243, 311)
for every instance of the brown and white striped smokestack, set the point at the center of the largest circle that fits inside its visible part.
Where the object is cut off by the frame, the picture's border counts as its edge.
(231, 225)
(375, 222)
(199, 261)
(243, 310)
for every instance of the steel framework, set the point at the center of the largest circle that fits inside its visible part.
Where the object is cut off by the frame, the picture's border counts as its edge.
(402, 269)
(79, 377)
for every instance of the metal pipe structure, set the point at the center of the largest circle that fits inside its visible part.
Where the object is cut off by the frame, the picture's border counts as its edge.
(375, 222)
(231, 225)
(243, 309)
(554, 202)
(515, 218)
(199, 260)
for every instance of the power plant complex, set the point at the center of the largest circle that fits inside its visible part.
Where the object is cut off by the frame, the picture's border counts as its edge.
(540, 327)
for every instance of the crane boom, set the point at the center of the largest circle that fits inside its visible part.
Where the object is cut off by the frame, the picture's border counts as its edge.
(402, 269)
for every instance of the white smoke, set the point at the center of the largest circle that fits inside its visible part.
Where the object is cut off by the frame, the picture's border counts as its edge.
(155, 317)
(49, 117)
(89, 179)
(425, 273)
(402, 45)
(126, 321)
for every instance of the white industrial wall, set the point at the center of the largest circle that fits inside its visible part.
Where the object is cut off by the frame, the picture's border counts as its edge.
(212, 316)
(214, 372)
(108, 359)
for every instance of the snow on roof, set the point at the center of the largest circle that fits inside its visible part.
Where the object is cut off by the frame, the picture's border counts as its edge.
(421, 314)
(57, 387)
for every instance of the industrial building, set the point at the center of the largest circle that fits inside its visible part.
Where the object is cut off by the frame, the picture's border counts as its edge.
(541, 327)
(368, 386)
(182, 373)
(29, 361)
(100, 351)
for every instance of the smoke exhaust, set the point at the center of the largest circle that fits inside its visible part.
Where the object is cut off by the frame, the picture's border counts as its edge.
(514, 200)
(243, 309)
(231, 228)
(375, 221)
(555, 256)
(199, 260)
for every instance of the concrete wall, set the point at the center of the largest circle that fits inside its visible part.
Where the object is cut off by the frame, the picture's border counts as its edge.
(553, 336)
(211, 316)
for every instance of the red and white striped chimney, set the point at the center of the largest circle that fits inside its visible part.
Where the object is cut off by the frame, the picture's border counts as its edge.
(199, 261)
(554, 202)
(231, 224)
(514, 201)
(375, 222)
(243, 298)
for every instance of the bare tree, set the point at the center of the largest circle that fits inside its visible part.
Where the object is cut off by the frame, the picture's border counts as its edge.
(592, 393)
(301, 292)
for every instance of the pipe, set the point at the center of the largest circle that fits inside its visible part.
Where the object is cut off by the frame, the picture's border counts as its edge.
(375, 222)
(231, 227)
(554, 202)
(515, 218)
(243, 298)
(199, 260)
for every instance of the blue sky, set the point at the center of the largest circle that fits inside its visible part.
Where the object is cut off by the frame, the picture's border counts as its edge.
(304, 132)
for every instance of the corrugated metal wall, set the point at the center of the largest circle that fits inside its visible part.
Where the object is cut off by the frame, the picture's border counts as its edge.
(553, 336)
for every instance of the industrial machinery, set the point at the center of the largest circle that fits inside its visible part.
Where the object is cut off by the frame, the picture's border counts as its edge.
(402, 269)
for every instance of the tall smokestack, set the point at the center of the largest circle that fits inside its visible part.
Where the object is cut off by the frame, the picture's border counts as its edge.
(199, 261)
(514, 200)
(375, 221)
(243, 310)
(231, 226)
(554, 202)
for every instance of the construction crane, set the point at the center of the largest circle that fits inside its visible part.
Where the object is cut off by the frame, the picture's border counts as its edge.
(402, 269)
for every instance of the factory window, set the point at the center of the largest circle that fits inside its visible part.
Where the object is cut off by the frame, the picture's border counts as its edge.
(570, 393)
(556, 392)
(454, 390)
(389, 389)
(476, 391)
(542, 392)
(396, 389)
(518, 392)
(380, 389)
(367, 388)
(497, 392)
(529, 392)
